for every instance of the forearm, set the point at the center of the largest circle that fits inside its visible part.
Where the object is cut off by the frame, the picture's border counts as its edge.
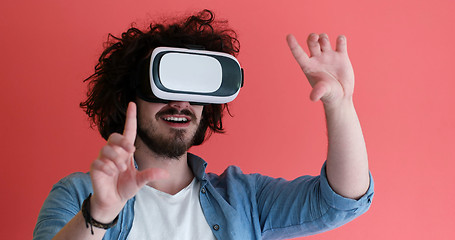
(77, 229)
(347, 160)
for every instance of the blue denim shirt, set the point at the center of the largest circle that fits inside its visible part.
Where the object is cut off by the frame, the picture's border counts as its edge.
(236, 205)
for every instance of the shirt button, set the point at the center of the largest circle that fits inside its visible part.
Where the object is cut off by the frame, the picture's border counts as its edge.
(203, 190)
(216, 227)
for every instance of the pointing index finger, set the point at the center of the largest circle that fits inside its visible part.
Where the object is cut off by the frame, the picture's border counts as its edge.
(296, 50)
(131, 123)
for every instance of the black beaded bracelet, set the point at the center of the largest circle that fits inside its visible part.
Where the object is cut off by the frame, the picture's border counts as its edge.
(92, 222)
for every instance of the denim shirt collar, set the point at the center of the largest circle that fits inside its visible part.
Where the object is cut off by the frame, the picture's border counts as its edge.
(198, 166)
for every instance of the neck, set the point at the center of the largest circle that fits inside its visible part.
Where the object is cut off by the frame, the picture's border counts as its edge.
(178, 169)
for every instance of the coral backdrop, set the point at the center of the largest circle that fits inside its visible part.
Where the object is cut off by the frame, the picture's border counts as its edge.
(402, 52)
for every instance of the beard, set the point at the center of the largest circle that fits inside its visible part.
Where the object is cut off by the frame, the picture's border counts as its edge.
(170, 145)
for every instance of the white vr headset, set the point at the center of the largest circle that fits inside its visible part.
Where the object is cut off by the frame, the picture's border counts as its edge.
(196, 76)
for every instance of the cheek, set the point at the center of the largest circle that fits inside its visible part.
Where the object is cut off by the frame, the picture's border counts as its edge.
(198, 112)
(149, 110)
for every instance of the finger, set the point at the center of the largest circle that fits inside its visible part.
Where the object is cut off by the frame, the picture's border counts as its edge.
(296, 50)
(131, 123)
(105, 166)
(149, 175)
(324, 42)
(313, 45)
(112, 154)
(341, 44)
(117, 140)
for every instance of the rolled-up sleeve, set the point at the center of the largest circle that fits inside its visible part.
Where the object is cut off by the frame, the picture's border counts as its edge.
(305, 206)
(337, 201)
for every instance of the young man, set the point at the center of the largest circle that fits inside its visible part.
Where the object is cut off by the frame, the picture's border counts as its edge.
(145, 185)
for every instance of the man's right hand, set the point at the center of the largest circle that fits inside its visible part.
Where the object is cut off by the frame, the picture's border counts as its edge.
(114, 176)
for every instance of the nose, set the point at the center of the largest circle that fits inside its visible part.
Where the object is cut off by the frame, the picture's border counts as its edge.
(179, 105)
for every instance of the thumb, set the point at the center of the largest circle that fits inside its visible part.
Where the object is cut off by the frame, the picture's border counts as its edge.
(319, 91)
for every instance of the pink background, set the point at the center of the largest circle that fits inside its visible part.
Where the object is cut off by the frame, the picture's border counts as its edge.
(402, 52)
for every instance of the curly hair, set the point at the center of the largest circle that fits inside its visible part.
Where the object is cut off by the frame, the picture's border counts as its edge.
(112, 86)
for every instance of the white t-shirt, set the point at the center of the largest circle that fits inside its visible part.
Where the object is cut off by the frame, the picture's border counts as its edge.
(158, 215)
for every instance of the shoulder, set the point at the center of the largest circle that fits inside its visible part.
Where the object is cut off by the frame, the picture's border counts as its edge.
(77, 185)
(62, 204)
(233, 180)
(75, 179)
(231, 173)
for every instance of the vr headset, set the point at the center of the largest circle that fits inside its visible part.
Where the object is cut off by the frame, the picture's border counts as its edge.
(195, 76)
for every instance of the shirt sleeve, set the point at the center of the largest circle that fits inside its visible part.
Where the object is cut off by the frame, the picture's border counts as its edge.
(62, 204)
(304, 206)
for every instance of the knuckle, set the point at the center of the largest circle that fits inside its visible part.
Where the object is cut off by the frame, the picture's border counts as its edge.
(104, 150)
(96, 164)
(119, 141)
(126, 145)
(108, 167)
(108, 152)
(113, 136)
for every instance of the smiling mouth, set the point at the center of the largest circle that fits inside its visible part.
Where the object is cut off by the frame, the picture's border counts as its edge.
(176, 119)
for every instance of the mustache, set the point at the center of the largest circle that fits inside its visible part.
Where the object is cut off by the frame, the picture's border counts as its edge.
(173, 111)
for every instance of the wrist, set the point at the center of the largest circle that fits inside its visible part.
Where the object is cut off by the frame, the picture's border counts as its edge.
(340, 105)
(90, 221)
(102, 213)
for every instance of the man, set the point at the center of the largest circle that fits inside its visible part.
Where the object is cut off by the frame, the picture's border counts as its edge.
(145, 185)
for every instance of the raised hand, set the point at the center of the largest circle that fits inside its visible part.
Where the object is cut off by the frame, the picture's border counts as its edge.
(114, 176)
(328, 70)
(330, 73)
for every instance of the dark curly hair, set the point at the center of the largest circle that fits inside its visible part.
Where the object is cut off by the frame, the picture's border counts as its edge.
(112, 86)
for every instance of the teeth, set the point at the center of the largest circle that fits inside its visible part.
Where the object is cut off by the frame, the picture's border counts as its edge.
(176, 119)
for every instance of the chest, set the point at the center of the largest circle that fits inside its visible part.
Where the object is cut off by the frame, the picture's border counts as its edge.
(158, 215)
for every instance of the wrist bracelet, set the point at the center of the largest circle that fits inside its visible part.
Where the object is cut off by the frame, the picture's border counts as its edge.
(92, 222)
